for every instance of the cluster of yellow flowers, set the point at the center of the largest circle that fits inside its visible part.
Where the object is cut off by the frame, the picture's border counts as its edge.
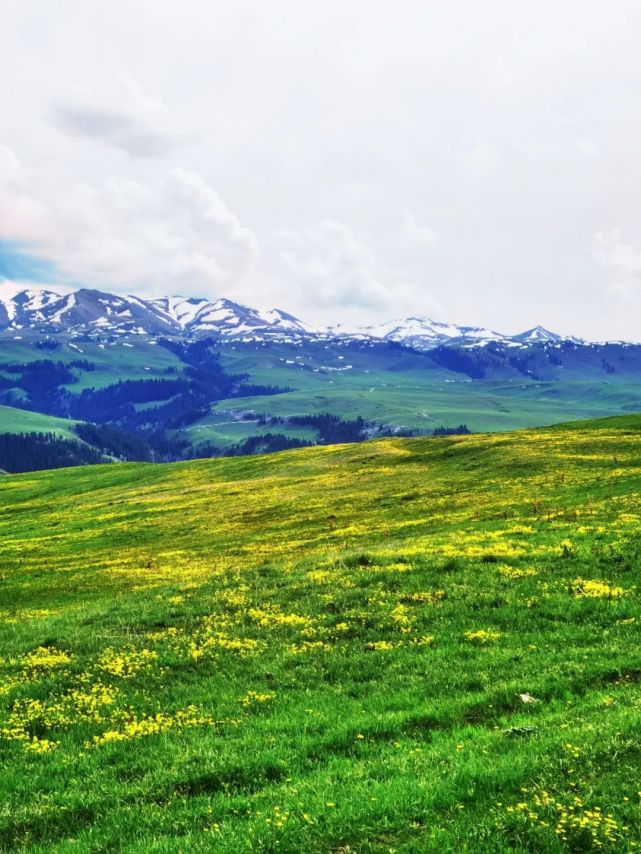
(235, 598)
(207, 638)
(400, 618)
(13, 617)
(516, 572)
(423, 640)
(425, 597)
(140, 727)
(128, 662)
(253, 698)
(382, 645)
(399, 566)
(575, 825)
(591, 589)
(308, 646)
(40, 745)
(327, 576)
(482, 636)
(278, 817)
(93, 705)
(273, 617)
(45, 658)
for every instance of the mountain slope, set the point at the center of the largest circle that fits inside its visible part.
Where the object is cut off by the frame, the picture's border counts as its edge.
(277, 653)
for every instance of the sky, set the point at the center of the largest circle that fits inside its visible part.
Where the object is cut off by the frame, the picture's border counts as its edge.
(349, 161)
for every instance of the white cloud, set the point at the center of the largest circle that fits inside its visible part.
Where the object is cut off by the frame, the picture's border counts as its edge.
(333, 267)
(415, 235)
(9, 163)
(11, 287)
(480, 161)
(173, 234)
(513, 133)
(620, 258)
(123, 117)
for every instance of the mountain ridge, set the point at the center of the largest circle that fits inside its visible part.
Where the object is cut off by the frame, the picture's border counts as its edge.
(99, 313)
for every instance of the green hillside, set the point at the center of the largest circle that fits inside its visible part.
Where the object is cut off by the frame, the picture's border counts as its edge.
(14, 420)
(186, 399)
(425, 402)
(399, 646)
(404, 389)
(112, 360)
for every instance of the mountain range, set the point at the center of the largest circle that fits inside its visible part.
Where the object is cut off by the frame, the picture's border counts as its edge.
(96, 313)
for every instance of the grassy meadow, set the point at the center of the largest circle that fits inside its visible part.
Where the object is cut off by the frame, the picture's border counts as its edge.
(399, 646)
(14, 420)
(422, 403)
(391, 387)
(113, 361)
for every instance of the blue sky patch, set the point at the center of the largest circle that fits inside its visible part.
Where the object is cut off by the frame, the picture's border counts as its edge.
(21, 265)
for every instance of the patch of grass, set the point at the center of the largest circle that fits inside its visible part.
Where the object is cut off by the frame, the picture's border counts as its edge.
(14, 420)
(136, 359)
(406, 645)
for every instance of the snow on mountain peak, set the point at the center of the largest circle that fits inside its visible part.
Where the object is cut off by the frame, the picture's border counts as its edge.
(182, 310)
(538, 333)
(90, 311)
(423, 333)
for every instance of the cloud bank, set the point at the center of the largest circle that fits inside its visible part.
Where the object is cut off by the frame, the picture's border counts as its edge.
(165, 236)
(620, 260)
(125, 118)
(334, 159)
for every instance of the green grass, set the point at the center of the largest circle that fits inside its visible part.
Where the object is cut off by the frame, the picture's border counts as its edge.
(325, 650)
(121, 361)
(23, 421)
(224, 429)
(404, 390)
(386, 386)
(483, 405)
(114, 361)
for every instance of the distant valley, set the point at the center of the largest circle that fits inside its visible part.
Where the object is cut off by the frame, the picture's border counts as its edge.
(94, 377)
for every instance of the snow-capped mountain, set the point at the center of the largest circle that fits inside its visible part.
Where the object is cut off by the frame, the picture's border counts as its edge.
(97, 313)
(538, 333)
(228, 318)
(24, 304)
(421, 333)
(180, 310)
(81, 311)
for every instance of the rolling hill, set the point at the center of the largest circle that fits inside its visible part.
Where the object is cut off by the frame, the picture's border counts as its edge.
(23, 421)
(404, 645)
